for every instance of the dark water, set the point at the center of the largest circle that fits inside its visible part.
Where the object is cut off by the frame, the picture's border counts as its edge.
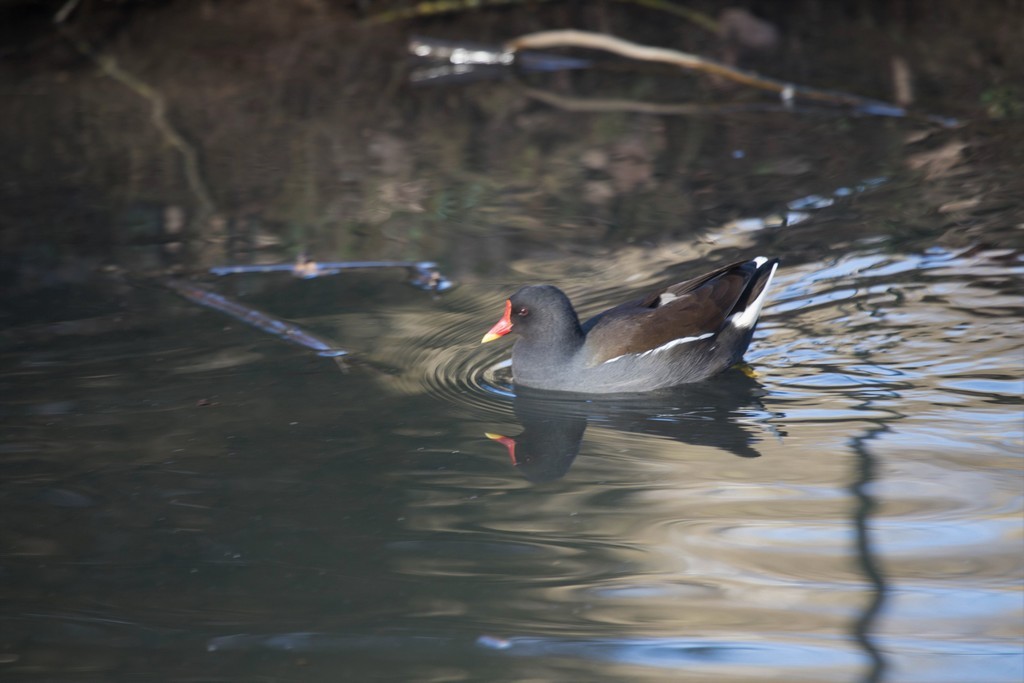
(185, 498)
(192, 497)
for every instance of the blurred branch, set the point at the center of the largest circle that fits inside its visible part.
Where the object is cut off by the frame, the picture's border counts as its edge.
(685, 60)
(430, 8)
(691, 15)
(637, 106)
(787, 91)
(65, 11)
(158, 115)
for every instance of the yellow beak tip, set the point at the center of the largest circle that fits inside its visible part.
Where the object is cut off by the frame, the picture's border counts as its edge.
(489, 337)
(493, 437)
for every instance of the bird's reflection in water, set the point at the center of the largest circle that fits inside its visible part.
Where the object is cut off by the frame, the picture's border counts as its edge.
(723, 412)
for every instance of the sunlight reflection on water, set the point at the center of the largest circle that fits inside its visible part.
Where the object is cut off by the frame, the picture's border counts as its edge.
(864, 489)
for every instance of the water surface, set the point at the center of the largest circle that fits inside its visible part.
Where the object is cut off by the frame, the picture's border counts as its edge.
(186, 498)
(194, 493)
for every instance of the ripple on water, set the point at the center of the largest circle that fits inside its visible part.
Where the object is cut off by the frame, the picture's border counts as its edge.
(446, 360)
(517, 561)
(844, 335)
(861, 359)
(477, 382)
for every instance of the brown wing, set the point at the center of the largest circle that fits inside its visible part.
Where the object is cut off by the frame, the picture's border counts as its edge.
(686, 309)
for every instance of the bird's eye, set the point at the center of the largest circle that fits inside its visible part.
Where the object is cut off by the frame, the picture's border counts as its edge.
(523, 312)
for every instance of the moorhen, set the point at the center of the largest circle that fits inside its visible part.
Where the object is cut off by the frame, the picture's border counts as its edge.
(683, 333)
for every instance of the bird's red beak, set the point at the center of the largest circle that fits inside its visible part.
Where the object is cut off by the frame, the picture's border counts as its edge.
(502, 327)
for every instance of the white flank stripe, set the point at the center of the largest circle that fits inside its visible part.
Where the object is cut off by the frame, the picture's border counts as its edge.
(749, 316)
(663, 347)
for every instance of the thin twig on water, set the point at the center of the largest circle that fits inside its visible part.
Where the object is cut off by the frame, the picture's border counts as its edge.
(422, 274)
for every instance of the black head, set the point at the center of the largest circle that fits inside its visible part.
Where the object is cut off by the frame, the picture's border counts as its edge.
(548, 330)
(542, 313)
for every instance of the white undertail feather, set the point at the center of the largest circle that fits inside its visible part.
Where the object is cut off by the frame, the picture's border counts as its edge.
(664, 347)
(666, 297)
(749, 316)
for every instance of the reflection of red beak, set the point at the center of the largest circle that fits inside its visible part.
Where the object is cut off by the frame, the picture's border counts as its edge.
(502, 327)
(506, 441)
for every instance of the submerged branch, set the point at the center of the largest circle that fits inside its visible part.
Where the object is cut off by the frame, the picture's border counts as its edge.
(266, 322)
(422, 274)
